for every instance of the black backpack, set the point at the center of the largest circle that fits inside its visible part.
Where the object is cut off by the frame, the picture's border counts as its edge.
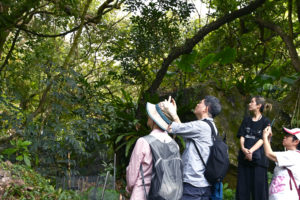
(218, 160)
(166, 180)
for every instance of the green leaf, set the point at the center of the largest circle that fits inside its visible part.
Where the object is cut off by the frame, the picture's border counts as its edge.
(225, 185)
(121, 136)
(27, 161)
(207, 60)
(19, 158)
(13, 142)
(9, 151)
(26, 143)
(129, 144)
(186, 62)
(267, 77)
(288, 80)
(120, 146)
(181, 141)
(126, 96)
(226, 56)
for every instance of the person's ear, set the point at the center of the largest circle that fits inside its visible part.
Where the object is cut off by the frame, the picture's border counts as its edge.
(206, 109)
(259, 105)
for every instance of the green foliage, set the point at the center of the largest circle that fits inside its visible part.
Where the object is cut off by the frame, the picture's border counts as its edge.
(226, 56)
(93, 193)
(20, 150)
(27, 184)
(207, 60)
(228, 193)
(270, 176)
(125, 128)
(186, 62)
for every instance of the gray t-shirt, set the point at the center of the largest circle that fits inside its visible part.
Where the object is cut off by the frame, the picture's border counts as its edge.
(200, 132)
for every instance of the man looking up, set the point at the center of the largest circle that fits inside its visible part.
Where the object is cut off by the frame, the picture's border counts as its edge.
(195, 185)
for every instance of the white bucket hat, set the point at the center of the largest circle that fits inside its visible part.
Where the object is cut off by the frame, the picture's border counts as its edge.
(294, 131)
(157, 115)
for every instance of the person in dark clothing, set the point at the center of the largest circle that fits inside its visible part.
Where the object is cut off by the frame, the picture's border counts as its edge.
(252, 181)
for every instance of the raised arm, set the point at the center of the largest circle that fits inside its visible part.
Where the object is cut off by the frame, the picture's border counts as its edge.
(267, 134)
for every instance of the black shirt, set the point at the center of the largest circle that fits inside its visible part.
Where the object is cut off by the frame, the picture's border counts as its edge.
(252, 131)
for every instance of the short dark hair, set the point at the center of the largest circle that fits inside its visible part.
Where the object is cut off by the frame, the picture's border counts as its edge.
(213, 104)
(294, 139)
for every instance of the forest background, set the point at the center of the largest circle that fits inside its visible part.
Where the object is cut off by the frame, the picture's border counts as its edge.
(75, 75)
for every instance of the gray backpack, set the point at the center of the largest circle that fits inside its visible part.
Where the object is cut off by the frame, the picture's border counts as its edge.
(166, 180)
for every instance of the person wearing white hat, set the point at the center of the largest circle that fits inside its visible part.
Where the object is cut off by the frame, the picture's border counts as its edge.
(286, 178)
(139, 173)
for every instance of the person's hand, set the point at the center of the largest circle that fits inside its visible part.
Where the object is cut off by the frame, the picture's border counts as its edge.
(170, 107)
(128, 190)
(248, 156)
(244, 150)
(173, 102)
(267, 133)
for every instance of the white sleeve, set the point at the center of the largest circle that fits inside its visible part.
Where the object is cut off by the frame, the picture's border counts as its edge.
(285, 158)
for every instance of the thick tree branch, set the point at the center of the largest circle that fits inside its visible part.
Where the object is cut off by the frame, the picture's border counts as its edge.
(42, 101)
(19, 15)
(189, 44)
(10, 50)
(25, 21)
(287, 40)
(78, 34)
(103, 7)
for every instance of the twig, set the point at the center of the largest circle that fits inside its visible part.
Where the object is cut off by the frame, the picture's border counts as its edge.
(102, 197)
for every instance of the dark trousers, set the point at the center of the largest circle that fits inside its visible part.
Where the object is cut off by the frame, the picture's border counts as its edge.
(191, 192)
(252, 183)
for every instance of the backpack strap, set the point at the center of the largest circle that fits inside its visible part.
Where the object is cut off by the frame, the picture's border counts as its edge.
(199, 153)
(292, 177)
(214, 136)
(143, 181)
